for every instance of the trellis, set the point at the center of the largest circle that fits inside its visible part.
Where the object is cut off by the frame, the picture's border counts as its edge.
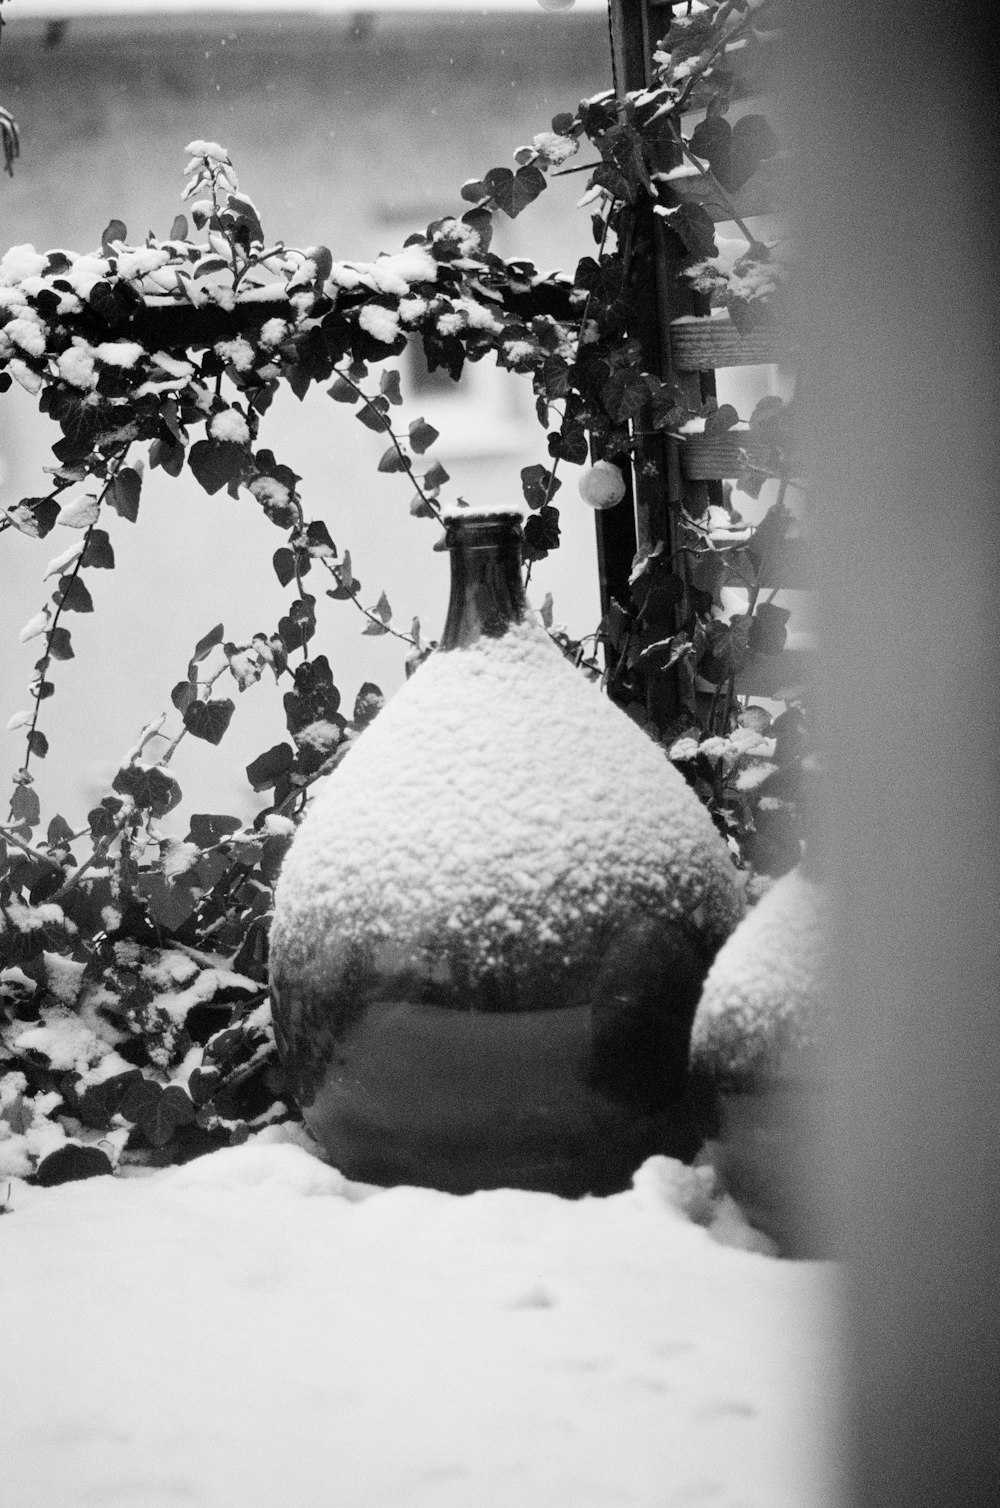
(684, 344)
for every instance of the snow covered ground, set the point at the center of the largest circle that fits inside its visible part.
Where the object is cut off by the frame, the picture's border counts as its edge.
(250, 1329)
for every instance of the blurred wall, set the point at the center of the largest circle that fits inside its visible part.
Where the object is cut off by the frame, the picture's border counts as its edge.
(898, 115)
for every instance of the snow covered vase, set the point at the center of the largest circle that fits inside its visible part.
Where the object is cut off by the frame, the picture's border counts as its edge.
(754, 1055)
(493, 925)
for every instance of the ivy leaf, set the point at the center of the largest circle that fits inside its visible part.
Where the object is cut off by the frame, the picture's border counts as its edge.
(538, 486)
(59, 644)
(297, 628)
(768, 631)
(168, 455)
(174, 1108)
(209, 720)
(38, 744)
(722, 420)
(563, 123)
(183, 694)
(179, 228)
(72, 595)
(25, 805)
(607, 176)
(434, 477)
(284, 565)
(513, 192)
(59, 833)
(72, 1161)
(151, 788)
(391, 460)
(207, 829)
(343, 392)
(570, 444)
(375, 629)
(389, 386)
(102, 818)
(216, 463)
(374, 417)
(541, 533)
(422, 435)
(98, 552)
(383, 609)
(268, 768)
(123, 493)
(207, 643)
(474, 191)
(695, 227)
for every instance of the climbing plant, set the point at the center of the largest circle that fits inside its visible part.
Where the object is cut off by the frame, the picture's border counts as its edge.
(134, 1024)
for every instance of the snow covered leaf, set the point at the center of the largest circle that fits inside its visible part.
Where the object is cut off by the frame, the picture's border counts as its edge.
(209, 720)
(722, 420)
(56, 566)
(768, 633)
(474, 191)
(244, 665)
(79, 512)
(35, 626)
(318, 540)
(368, 703)
(34, 516)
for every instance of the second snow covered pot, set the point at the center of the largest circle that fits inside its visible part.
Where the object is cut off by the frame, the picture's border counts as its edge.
(492, 928)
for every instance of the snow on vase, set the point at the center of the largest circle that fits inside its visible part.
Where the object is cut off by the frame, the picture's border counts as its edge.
(493, 925)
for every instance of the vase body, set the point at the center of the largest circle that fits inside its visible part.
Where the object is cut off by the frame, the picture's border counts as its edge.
(493, 926)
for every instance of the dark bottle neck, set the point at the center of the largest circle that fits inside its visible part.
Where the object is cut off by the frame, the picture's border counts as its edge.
(487, 591)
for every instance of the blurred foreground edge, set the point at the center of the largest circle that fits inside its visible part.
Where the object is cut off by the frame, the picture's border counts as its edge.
(896, 108)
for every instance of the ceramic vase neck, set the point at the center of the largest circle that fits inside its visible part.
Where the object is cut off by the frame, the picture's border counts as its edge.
(487, 589)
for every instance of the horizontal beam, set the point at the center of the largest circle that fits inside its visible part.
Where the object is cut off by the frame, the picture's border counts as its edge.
(713, 458)
(700, 344)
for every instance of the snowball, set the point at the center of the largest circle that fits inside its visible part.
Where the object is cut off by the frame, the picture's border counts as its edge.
(277, 826)
(85, 272)
(411, 309)
(229, 425)
(21, 262)
(238, 353)
(553, 148)
(76, 366)
(119, 353)
(209, 149)
(64, 976)
(394, 274)
(176, 858)
(273, 332)
(171, 365)
(266, 489)
(27, 332)
(382, 323)
(132, 264)
(66, 1040)
(602, 485)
